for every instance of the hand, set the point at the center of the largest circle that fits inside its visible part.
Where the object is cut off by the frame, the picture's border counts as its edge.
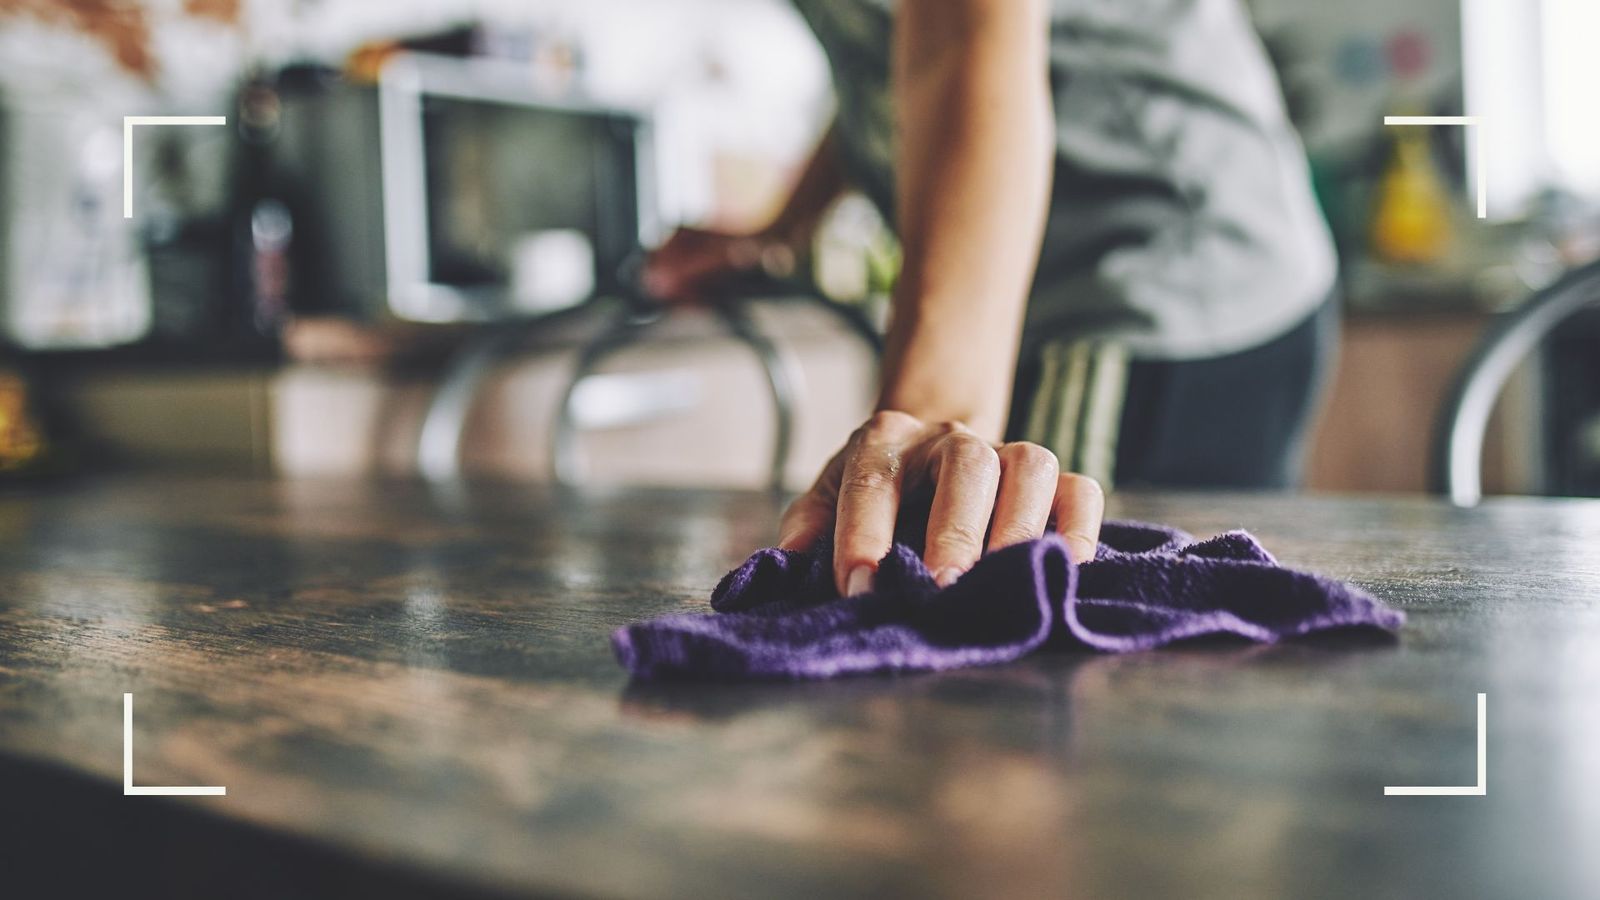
(983, 498)
(694, 262)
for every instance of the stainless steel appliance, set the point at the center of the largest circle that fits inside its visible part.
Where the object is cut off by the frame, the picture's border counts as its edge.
(413, 197)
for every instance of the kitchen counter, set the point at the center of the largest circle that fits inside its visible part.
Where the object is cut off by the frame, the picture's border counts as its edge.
(410, 693)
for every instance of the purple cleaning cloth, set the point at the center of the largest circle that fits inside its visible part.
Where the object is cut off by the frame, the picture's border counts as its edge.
(777, 616)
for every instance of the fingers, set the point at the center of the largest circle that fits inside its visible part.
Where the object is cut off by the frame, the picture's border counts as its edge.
(1012, 495)
(1080, 504)
(869, 498)
(1028, 480)
(966, 475)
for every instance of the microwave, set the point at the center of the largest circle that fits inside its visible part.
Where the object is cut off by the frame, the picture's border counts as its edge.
(433, 194)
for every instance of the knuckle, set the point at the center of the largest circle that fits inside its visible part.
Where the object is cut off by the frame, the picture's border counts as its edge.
(891, 422)
(1015, 533)
(1081, 485)
(1032, 457)
(971, 456)
(955, 539)
(865, 480)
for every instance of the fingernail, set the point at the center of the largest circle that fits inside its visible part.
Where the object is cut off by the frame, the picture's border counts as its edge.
(859, 582)
(947, 576)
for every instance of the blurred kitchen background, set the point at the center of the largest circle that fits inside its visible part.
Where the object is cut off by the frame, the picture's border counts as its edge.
(409, 250)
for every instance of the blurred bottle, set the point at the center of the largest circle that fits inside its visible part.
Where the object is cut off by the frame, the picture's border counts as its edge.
(262, 218)
(22, 443)
(271, 235)
(1412, 219)
(34, 444)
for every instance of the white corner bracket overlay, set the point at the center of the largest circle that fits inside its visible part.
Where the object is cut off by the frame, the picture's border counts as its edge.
(128, 787)
(1478, 147)
(1467, 790)
(127, 147)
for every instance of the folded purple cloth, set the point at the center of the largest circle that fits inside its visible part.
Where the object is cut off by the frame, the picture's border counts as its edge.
(778, 616)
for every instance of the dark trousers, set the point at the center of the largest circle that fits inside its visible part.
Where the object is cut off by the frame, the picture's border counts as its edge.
(1238, 421)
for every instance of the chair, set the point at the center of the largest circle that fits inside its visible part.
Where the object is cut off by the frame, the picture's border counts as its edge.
(1456, 462)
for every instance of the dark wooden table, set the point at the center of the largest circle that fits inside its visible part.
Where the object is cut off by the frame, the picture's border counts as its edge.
(412, 694)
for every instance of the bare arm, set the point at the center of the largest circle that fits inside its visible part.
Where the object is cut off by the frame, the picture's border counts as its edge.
(971, 94)
(821, 182)
(694, 261)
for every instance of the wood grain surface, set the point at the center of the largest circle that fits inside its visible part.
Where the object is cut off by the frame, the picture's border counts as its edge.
(410, 693)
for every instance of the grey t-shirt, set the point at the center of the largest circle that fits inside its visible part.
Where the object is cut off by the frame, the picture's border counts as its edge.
(1182, 221)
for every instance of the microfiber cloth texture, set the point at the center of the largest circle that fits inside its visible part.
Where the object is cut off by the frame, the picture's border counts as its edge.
(777, 616)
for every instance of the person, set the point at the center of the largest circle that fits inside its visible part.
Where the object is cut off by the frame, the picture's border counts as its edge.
(1113, 266)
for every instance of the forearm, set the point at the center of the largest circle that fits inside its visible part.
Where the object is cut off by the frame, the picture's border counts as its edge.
(820, 183)
(972, 96)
